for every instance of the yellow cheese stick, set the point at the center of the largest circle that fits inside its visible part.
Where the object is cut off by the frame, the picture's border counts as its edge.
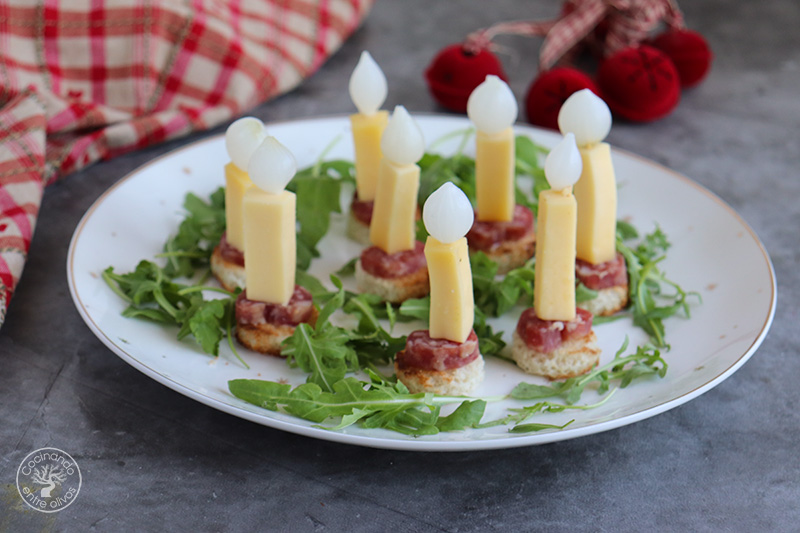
(367, 131)
(236, 183)
(596, 194)
(395, 209)
(270, 245)
(554, 285)
(494, 175)
(452, 306)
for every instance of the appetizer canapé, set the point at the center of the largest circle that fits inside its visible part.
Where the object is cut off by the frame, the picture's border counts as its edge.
(554, 316)
(394, 267)
(503, 230)
(599, 267)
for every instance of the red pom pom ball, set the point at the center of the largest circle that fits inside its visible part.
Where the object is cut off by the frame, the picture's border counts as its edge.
(639, 83)
(548, 92)
(690, 53)
(454, 73)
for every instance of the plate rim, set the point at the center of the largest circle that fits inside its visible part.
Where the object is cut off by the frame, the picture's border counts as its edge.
(416, 444)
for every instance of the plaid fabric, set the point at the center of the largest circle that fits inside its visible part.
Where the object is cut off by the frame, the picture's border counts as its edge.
(87, 80)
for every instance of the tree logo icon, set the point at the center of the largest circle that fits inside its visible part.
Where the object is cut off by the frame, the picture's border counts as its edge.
(48, 480)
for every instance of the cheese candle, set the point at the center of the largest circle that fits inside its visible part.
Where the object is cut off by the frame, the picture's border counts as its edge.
(395, 208)
(448, 217)
(368, 92)
(492, 108)
(269, 225)
(554, 284)
(589, 118)
(241, 139)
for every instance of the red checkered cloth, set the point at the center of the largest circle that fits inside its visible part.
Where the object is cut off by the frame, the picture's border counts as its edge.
(87, 80)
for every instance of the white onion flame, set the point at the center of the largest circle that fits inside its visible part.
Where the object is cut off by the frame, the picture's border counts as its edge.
(447, 213)
(402, 142)
(242, 138)
(587, 116)
(272, 166)
(492, 106)
(563, 165)
(368, 87)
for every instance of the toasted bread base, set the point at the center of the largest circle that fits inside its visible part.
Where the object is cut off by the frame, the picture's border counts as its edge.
(573, 358)
(453, 382)
(266, 338)
(607, 302)
(230, 275)
(513, 254)
(394, 290)
(357, 230)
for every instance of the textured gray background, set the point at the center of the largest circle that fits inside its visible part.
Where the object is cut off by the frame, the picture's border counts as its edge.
(153, 459)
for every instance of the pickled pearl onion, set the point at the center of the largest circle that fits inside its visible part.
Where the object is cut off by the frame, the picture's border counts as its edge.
(367, 85)
(587, 116)
(272, 166)
(492, 106)
(402, 142)
(447, 214)
(563, 165)
(242, 138)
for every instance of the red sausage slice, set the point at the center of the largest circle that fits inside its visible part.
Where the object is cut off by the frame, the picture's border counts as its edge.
(604, 275)
(252, 312)
(547, 335)
(378, 263)
(229, 252)
(427, 353)
(488, 235)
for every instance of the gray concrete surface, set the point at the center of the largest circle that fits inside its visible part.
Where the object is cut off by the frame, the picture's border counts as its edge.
(155, 460)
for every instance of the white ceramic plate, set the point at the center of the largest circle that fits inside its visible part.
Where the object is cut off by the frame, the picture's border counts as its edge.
(713, 252)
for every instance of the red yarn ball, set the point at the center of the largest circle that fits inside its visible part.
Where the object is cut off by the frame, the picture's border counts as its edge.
(549, 91)
(639, 83)
(689, 52)
(454, 73)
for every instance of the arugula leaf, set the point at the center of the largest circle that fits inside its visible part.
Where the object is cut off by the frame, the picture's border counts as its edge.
(318, 190)
(495, 298)
(529, 428)
(328, 352)
(653, 244)
(322, 353)
(419, 308)
(466, 415)
(421, 232)
(156, 315)
(372, 405)
(527, 165)
(436, 170)
(645, 282)
(319, 293)
(626, 230)
(366, 307)
(199, 232)
(318, 197)
(646, 361)
(207, 326)
(153, 297)
(145, 285)
(370, 340)
(348, 269)
(584, 293)
(489, 342)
